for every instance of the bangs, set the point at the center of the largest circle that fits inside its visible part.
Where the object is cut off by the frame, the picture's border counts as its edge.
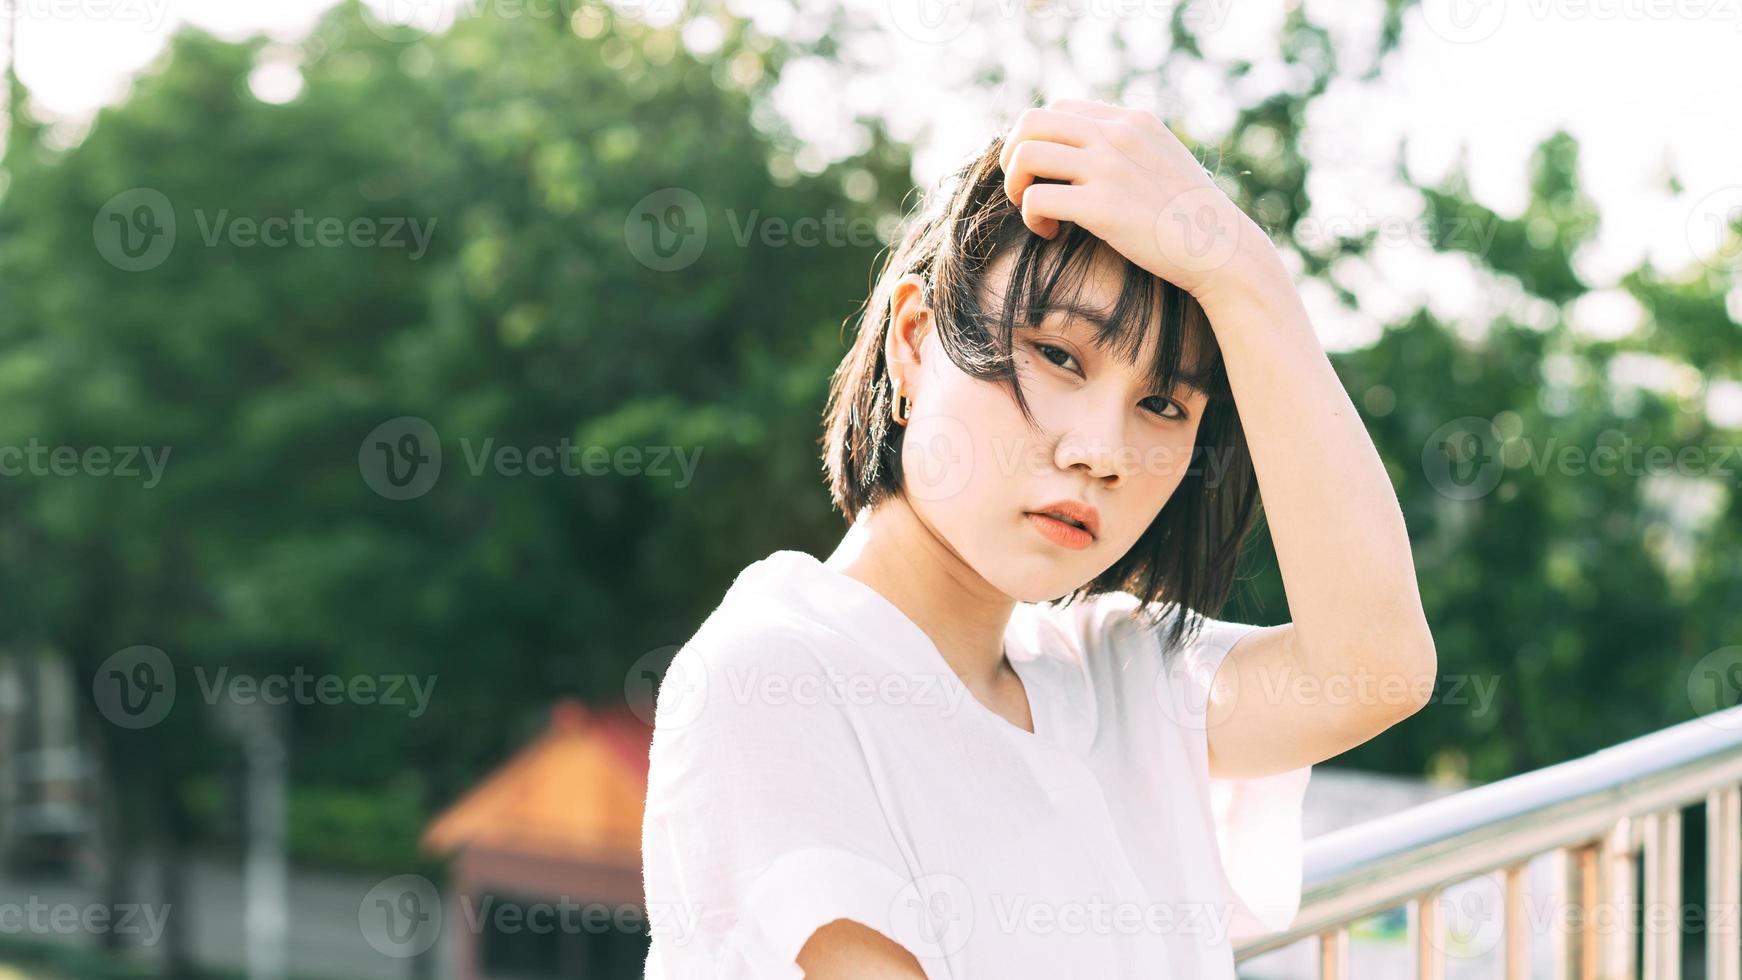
(1150, 313)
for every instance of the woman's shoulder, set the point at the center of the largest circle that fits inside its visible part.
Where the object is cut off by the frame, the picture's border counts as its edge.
(1078, 626)
(1118, 619)
(767, 628)
(751, 627)
(1119, 643)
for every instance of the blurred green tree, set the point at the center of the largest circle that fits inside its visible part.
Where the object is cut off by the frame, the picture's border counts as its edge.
(539, 155)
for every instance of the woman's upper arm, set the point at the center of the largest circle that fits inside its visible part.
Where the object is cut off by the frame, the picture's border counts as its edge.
(847, 950)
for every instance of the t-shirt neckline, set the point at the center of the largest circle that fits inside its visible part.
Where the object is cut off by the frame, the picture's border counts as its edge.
(863, 597)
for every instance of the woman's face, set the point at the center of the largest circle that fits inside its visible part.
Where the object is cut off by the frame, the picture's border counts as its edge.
(979, 477)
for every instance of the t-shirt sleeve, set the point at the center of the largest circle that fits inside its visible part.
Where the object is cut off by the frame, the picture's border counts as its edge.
(1257, 820)
(762, 821)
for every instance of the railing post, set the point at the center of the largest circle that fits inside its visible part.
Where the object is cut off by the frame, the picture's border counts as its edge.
(1615, 916)
(1334, 954)
(1663, 895)
(1517, 921)
(1427, 935)
(1575, 937)
(1723, 882)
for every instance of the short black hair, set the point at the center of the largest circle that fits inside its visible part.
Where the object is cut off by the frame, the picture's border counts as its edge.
(1186, 560)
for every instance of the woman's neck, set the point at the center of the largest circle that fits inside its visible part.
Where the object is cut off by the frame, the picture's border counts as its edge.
(896, 553)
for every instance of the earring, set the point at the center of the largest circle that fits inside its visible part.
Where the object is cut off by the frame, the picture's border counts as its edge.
(902, 409)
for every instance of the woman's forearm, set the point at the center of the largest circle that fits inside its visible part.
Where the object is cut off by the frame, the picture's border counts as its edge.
(1332, 513)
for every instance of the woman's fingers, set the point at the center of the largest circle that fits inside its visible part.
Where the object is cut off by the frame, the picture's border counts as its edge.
(1049, 143)
(1038, 158)
(1138, 134)
(1044, 206)
(1048, 124)
(1121, 174)
(1094, 110)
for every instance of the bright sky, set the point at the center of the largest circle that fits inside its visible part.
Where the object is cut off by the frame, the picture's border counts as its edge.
(1642, 84)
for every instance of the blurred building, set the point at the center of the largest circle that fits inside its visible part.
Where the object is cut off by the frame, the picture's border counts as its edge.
(546, 874)
(48, 822)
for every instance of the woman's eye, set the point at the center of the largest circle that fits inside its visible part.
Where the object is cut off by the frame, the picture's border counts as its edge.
(1161, 406)
(1046, 348)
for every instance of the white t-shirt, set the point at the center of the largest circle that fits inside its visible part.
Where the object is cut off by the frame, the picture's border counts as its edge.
(815, 758)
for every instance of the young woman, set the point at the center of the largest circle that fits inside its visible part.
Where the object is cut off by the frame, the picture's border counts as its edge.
(996, 734)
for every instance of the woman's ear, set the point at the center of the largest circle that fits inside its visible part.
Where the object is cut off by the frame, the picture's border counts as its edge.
(909, 319)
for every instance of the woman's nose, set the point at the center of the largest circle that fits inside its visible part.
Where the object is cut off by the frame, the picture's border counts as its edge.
(1096, 443)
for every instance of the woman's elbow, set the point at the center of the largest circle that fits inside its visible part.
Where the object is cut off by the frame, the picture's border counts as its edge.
(848, 950)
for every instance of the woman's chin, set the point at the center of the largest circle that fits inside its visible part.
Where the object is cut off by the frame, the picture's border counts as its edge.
(1029, 584)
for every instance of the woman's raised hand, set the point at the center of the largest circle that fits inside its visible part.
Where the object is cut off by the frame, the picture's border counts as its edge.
(1134, 185)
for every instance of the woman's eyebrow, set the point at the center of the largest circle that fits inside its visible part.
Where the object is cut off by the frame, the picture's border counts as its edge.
(1077, 311)
(1195, 378)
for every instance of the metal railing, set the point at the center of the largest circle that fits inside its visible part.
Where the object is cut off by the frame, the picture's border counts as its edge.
(1596, 816)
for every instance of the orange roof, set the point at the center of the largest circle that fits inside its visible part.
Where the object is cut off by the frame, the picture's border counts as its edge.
(576, 791)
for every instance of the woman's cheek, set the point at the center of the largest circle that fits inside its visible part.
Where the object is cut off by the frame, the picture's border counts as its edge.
(954, 443)
(938, 456)
(1158, 469)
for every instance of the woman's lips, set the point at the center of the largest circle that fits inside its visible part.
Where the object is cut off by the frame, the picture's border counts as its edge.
(1059, 532)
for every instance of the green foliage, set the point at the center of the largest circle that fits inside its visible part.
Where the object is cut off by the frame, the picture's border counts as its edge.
(363, 830)
(37, 960)
(527, 323)
(525, 146)
(43, 961)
